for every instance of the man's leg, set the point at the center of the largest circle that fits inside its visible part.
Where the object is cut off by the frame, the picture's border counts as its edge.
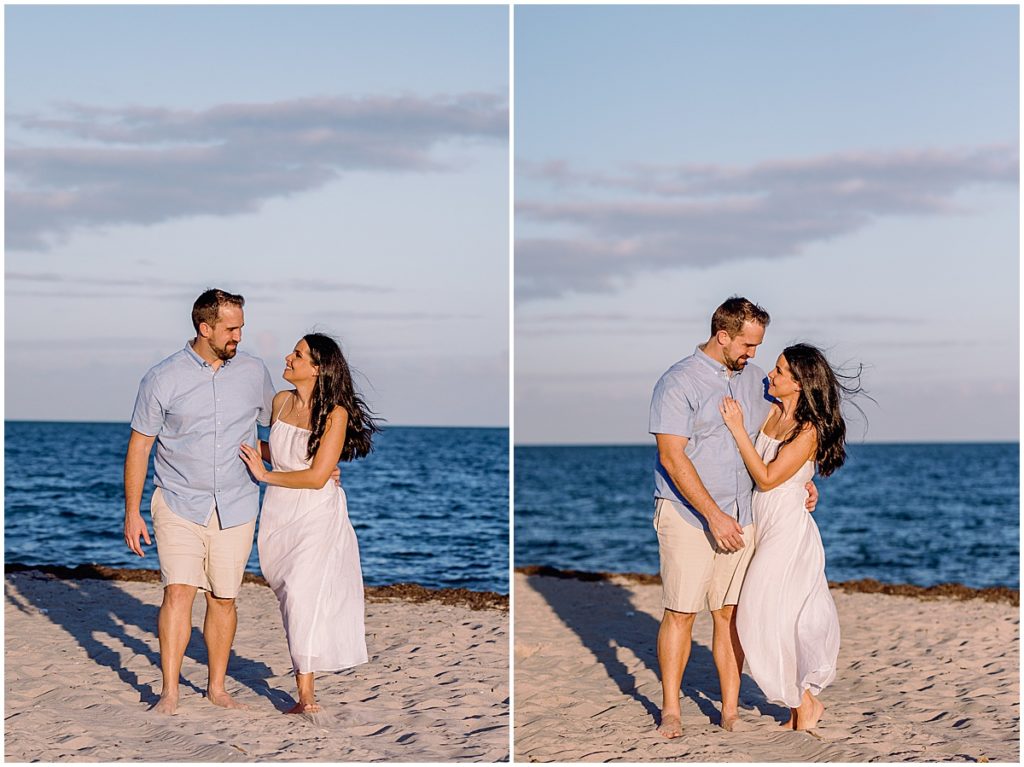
(219, 633)
(228, 551)
(729, 661)
(673, 653)
(174, 625)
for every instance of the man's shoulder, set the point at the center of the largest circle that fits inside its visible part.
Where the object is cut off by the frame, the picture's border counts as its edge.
(249, 359)
(754, 376)
(167, 364)
(248, 364)
(755, 372)
(682, 370)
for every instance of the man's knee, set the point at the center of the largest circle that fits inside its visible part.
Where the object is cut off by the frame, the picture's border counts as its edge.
(724, 614)
(678, 619)
(179, 596)
(220, 604)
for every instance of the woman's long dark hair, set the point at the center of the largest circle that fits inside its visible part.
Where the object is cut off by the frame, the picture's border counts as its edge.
(822, 391)
(334, 387)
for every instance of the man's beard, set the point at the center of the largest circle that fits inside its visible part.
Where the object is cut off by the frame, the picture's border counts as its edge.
(733, 364)
(224, 352)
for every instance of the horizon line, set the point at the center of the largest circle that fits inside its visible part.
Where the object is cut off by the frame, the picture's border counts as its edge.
(866, 442)
(387, 426)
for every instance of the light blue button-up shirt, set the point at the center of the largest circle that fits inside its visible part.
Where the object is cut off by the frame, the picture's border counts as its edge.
(199, 417)
(685, 403)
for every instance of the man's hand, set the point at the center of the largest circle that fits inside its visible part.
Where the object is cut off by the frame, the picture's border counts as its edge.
(134, 526)
(336, 476)
(726, 531)
(812, 497)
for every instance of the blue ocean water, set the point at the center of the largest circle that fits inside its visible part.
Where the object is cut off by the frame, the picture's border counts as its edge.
(911, 513)
(429, 505)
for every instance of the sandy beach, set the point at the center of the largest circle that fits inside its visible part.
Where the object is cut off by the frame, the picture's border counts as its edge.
(921, 678)
(82, 669)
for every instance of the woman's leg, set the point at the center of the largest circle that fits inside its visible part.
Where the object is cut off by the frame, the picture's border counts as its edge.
(307, 700)
(809, 712)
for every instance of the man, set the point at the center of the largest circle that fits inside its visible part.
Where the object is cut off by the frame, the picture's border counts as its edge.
(199, 405)
(702, 499)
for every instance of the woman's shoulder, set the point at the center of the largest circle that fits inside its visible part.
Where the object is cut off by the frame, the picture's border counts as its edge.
(774, 411)
(279, 403)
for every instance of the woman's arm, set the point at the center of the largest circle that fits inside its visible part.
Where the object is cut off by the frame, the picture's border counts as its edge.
(785, 464)
(325, 462)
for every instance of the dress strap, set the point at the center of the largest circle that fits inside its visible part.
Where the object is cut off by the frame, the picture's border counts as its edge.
(771, 412)
(287, 404)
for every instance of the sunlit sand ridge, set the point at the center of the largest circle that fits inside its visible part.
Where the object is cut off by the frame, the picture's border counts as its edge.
(918, 680)
(82, 669)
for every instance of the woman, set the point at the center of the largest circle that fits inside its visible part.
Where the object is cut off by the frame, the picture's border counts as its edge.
(308, 549)
(786, 619)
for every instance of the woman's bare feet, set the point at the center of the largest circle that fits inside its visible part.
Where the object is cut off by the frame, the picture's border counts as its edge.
(791, 724)
(307, 697)
(810, 711)
(304, 708)
(671, 726)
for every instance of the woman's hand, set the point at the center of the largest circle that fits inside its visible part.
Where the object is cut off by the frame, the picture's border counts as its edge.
(254, 461)
(732, 414)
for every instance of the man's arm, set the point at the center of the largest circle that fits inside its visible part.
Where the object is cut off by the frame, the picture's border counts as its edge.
(672, 452)
(136, 462)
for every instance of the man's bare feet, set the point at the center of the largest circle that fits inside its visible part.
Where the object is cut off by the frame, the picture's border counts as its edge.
(671, 726)
(304, 708)
(224, 700)
(168, 704)
(809, 713)
(732, 723)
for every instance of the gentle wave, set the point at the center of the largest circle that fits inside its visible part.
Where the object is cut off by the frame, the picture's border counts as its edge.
(922, 514)
(429, 505)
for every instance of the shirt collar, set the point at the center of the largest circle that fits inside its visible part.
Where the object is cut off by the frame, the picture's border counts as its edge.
(197, 359)
(714, 364)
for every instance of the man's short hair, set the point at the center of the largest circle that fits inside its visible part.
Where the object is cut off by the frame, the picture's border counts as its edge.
(207, 306)
(732, 314)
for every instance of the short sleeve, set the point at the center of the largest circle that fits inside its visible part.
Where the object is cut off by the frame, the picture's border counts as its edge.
(672, 411)
(148, 416)
(263, 418)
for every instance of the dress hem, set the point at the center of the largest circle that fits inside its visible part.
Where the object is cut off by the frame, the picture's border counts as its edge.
(332, 668)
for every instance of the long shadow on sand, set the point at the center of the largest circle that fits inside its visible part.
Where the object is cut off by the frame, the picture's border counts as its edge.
(604, 617)
(88, 609)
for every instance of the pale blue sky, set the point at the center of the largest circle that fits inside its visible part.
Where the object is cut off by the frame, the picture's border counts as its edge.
(345, 168)
(852, 169)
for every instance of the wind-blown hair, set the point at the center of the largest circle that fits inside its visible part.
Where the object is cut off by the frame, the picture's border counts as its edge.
(334, 387)
(822, 391)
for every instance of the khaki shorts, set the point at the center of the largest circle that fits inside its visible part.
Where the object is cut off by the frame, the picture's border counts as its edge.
(211, 558)
(694, 576)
